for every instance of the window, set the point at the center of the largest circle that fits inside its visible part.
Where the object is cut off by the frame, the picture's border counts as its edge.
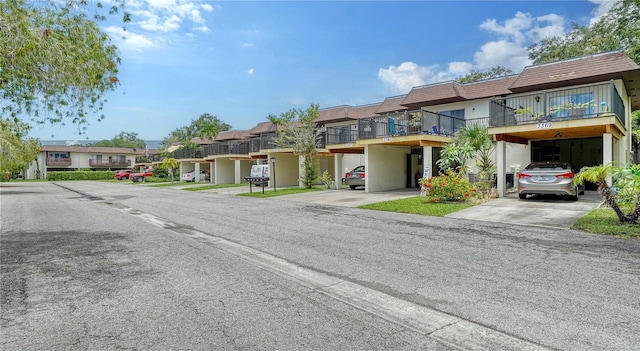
(572, 105)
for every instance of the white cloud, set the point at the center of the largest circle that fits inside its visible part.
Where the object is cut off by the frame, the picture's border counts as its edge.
(501, 53)
(250, 72)
(246, 45)
(408, 75)
(603, 6)
(168, 15)
(127, 40)
(509, 50)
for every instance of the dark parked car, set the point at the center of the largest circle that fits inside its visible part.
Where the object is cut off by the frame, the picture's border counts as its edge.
(551, 177)
(123, 174)
(355, 178)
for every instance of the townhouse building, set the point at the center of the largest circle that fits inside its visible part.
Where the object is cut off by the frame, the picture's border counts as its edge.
(576, 110)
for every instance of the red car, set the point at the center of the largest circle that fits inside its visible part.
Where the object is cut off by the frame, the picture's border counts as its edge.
(123, 174)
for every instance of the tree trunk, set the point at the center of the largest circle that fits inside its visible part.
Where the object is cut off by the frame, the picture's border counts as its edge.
(611, 201)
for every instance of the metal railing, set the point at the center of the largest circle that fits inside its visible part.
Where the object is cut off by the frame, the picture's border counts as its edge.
(188, 153)
(109, 163)
(567, 104)
(148, 159)
(51, 161)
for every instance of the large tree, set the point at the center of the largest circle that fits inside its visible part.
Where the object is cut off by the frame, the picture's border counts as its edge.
(17, 151)
(619, 29)
(206, 127)
(297, 130)
(56, 63)
(493, 72)
(124, 139)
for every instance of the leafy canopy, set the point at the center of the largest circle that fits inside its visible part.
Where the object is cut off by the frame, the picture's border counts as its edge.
(124, 139)
(17, 151)
(618, 29)
(56, 62)
(207, 127)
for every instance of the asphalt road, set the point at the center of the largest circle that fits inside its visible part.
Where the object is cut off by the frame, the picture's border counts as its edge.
(92, 265)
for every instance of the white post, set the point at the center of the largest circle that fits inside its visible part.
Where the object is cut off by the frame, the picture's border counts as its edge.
(607, 152)
(501, 167)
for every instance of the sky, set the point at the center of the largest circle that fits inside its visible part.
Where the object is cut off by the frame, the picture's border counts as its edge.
(243, 60)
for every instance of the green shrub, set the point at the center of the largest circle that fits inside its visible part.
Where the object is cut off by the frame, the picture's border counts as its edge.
(80, 175)
(449, 187)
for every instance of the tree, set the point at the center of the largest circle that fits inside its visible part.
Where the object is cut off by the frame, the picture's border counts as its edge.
(619, 29)
(206, 127)
(493, 72)
(630, 180)
(297, 130)
(470, 141)
(124, 139)
(170, 164)
(56, 62)
(16, 150)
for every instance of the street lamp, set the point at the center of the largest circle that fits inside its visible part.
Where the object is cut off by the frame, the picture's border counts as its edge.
(273, 162)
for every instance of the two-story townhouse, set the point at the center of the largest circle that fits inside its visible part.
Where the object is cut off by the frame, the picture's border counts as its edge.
(71, 158)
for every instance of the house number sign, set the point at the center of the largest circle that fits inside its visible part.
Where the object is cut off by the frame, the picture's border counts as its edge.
(545, 125)
(386, 139)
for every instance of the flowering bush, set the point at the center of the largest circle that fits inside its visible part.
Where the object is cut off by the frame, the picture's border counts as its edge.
(449, 187)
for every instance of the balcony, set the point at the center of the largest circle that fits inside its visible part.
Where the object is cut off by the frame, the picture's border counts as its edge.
(149, 159)
(240, 147)
(559, 105)
(58, 161)
(186, 153)
(400, 124)
(109, 163)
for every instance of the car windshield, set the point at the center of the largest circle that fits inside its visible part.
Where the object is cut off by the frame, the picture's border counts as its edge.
(548, 166)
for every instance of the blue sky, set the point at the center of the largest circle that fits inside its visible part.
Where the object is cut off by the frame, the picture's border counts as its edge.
(244, 60)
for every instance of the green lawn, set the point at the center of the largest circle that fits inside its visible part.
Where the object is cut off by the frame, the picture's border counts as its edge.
(214, 186)
(417, 205)
(268, 192)
(604, 221)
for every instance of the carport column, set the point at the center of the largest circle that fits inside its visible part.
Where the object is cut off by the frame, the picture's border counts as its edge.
(181, 171)
(607, 152)
(501, 167)
(337, 166)
(237, 172)
(197, 172)
(427, 159)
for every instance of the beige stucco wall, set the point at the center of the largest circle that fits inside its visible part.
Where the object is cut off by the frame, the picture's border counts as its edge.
(386, 164)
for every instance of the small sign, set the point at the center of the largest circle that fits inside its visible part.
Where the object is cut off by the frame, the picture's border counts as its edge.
(545, 125)
(349, 145)
(386, 139)
(425, 175)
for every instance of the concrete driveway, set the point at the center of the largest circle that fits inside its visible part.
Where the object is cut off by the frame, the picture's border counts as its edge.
(546, 211)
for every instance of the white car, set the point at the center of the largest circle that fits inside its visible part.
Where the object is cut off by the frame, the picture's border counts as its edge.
(191, 176)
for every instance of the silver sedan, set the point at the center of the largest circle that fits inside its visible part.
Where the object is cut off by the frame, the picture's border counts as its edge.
(551, 177)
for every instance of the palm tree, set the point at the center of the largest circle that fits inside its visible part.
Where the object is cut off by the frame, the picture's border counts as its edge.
(171, 164)
(208, 131)
(599, 174)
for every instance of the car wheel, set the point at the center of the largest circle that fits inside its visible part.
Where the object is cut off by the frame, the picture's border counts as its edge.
(574, 198)
(140, 179)
(522, 196)
(353, 187)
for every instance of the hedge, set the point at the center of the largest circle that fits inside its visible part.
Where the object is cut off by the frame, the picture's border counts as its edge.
(80, 175)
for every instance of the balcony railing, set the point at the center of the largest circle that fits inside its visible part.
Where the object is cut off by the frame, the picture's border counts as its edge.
(51, 161)
(109, 163)
(188, 153)
(227, 148)
(149, 159)
(558, 105)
